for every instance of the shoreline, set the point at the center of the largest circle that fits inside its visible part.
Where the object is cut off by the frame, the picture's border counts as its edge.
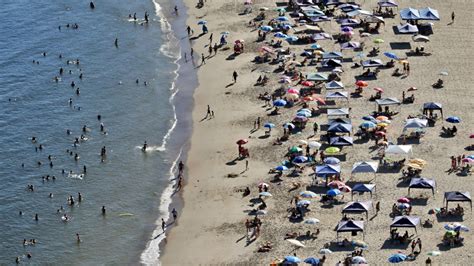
(180, 132)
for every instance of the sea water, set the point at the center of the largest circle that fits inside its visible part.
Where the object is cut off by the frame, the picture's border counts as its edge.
(134, 186)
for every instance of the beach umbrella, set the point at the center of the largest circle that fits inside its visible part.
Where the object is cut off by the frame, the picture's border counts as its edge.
(332, 160)
(320, 100)
(312, 261)
(345, 189)
(315, 46)
(303, 142)
(403, 200)
(384, 124)
(280, 9)
(314, 144)
(263, 8)
(304, 114)
(337, 70)
(259, 212)
(450, 233)
(307, 83)
(247, 2)
(311, 221)
(280, 35)
(289, 125)
(367, 125)
(369, 118)
(293, 259)
(380, 133)
(358, 260)
(347, 28)
(201, 22)
(378, 40)
(281, 168)
(282, 18)
(467, 160)
(300, 159)
(308, 99)
(292, 96)
(365, 34)
(433, 253)
(265, 194)
(242, 141)
(291, 38)
(225, 33)
(421, 38)
(286, 27)
(308, 194)
(303, 202)
(359, 243)
(300, 119)
(279, 103)
(293, 90)
(332, 150)
(453, 119)
(348, 33)
(396, 258)
(378, 89)
(266, 28)
(269, 125)
(470, 156)
(325, 251)
(262, 185)
(361, 83)
(265, 49)
(381, 118)
(336, 184)
(295, 149)
(391, 55)
(403, 206)
(333, 192)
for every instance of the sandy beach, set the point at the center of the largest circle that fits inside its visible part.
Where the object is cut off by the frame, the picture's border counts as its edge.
(211, 226)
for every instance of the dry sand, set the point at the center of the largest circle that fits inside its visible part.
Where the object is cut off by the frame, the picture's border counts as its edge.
(211, 230)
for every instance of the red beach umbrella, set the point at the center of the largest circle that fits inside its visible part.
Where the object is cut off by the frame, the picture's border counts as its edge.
(307, 83)
(242, 141)
(320, 100)
(361, 83)
(378, 89)
(403, 200)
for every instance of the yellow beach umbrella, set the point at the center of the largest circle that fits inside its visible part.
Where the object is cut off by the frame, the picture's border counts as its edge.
(332, 150)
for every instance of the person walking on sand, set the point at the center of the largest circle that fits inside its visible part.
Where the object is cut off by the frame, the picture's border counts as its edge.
(163, 225)
(210, 39)
(188, 29)
(234, 76)
(453, 16)
(246, 165)
(192, 52)
(377, 207)
(203, 60)
(208, 111)
(180, 167)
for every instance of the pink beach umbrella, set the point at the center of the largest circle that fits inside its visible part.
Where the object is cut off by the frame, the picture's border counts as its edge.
(345, 189)
(293, 90)
(307, 83)
(336, 184)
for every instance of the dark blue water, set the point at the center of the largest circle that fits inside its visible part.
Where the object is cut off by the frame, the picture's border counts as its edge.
(129, 182)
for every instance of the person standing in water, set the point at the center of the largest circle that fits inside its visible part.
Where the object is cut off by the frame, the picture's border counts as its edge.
(145, 146)
(116, 42)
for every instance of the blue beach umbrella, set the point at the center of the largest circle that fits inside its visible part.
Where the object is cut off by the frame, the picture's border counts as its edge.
(292, 259)
(289, 125)
(312, 261)
(391, 55)
(281, 168)
(300, 159)
(332, 160)
(315, 46)
(305, 53)
(347, 29)
(286, 27)
(369, 118)
(282, 18)
(470, 156)
(368, 124)
(225, 33)
(279, 103)
(333, 192)
(453, 119)
(305, 114)
(265, 194)
(396, 258)
(303, 202)
(201, 22)
(269, 125)
(280, 35)
(266, 28)
(291, 38)
(308, 194)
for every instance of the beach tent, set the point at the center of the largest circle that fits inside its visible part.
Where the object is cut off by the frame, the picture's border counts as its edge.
(374, 19)
(338, 112)
(316, 77)
(428, 14)
(328, 169)
(398, 149)
(339, 120)
(365, 167)
(363, 188)
(350, 45)
(334, 55)
(349, 226)
(340, 128)
(341, 141)
(359, 12)
(407, 28)
(405, 222)
(409, 14)
(372, 63)
(338, 95)
(358, 207)
(388, 101)
(457, 196)
(387, 3)
(415, 123)
(334, 85)
(307, 29)
(422, 183)
(432, 106)
(331, 63)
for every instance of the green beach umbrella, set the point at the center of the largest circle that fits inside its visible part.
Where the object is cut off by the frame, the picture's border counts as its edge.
(378, 40)
(295, 149)
(434, 253)
(332, 150)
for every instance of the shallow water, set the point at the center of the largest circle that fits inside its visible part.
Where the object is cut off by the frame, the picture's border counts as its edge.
(129, 183)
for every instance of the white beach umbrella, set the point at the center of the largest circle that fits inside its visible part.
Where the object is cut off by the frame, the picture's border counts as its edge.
(314, 144)
(311, 221)
(325, 251)
(303, 142)
(296, 242)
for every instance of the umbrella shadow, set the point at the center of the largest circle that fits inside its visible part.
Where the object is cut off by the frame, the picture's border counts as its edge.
(230, 84)
(234, 161)
(394, 244)
(264, 137)
(449, 218)
(444, 247)
(419, 201)
(196, 37)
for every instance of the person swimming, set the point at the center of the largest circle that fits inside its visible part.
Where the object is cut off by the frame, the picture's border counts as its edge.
(145, 146)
